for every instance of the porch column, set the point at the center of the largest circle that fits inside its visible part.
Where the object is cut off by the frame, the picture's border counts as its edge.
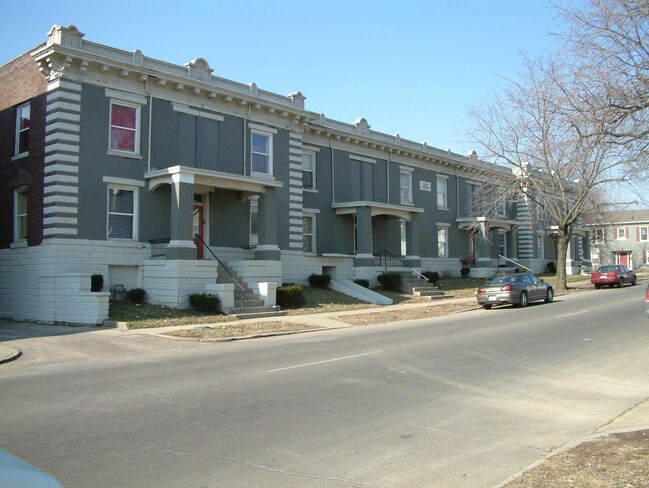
(364, 255)
(412, 258)
(267, 249)
(181, 245)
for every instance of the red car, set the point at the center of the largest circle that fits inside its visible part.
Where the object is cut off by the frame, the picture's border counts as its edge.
(613, 275)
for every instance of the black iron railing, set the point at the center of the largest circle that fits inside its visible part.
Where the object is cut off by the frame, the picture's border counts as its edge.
(159, 247)
(389, 260)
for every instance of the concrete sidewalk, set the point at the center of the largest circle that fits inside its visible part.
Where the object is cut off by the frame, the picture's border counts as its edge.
(8, 354)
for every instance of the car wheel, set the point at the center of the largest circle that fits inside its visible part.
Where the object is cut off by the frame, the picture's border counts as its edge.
(620, 283)
(549, 297)
(635, 280)
(487, 306)
(597, 287)
(522, 301)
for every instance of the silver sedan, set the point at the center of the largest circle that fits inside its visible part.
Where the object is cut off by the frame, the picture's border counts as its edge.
(516, 289)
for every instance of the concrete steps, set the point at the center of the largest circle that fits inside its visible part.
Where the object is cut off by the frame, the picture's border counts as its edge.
(248, 305)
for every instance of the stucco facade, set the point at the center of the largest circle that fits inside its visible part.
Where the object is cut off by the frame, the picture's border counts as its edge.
(130, 157)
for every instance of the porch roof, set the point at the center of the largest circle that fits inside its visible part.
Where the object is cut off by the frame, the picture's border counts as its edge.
(489, 222)
(248, 185)
(377, 208)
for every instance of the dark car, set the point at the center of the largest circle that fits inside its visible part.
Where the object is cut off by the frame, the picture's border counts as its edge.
(613, 275)
(516, 289)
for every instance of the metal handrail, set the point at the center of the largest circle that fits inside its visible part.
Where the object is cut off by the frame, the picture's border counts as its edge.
(243, 289)
(387, 253)
(517, 264)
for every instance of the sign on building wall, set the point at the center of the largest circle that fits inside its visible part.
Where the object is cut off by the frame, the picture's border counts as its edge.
(425, 186)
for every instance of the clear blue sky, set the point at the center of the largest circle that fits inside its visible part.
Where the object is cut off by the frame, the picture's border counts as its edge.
(409, 67)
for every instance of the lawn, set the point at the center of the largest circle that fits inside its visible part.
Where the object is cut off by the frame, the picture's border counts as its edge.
(319, 300)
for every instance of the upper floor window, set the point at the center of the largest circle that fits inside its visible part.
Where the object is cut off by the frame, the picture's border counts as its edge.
(124, 127)
(122, 203)
(442, 193)
(22, 129)
(644, 233)
(599, 236)
(502, 209)
(308, 233)
(620, 232)
(261, 150)
(20, 214)
(405, 178)
(308, 170)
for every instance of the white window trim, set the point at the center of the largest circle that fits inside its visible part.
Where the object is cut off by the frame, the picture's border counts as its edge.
(540, 245)
(407, 172)
(18, 130)
(138, 129)
(314, 224)
(315, 185)
(136, 207)
(646, 234)
(268, 134)
(617, 233)
(17, 216)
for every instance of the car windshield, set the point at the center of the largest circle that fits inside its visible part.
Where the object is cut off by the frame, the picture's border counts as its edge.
(503, 280)
(605, 269)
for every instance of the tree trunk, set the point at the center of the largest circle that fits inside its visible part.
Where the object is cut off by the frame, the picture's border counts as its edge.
(562, 254)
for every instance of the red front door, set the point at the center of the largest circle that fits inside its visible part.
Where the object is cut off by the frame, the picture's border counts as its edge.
(198, 229)
(624, 259)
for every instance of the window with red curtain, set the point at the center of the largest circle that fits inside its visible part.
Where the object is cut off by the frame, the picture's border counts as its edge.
(123, 127)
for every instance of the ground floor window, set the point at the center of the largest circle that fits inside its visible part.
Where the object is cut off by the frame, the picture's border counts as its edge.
(308, 233)
(20, 214)
(540, 246)
(442, 242)
(121, 213)
(404, 245)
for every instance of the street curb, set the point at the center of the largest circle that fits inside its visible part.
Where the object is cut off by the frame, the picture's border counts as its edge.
(8, 354)
(243, 338)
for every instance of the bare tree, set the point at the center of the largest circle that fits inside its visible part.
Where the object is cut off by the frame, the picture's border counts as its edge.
(557, 156)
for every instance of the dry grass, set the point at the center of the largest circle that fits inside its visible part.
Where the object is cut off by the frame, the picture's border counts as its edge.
(227, 331)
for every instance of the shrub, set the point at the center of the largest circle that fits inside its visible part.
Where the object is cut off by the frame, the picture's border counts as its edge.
(389, 281)
(432, 276)
(205, 302)
(136, 295)
(319, 280)
(552, 267)
(363, 282)
(290, 295)
(464, 272)
(96, 282)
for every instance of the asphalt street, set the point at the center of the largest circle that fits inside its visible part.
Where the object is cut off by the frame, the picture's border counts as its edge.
(463, 400)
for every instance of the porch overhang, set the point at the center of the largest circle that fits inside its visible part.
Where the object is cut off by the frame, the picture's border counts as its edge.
(376, 208)
(207, 180)
(485, 222)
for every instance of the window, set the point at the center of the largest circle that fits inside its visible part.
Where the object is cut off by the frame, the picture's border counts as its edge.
(540, 246)
(644, 234)
(502, 209)
(22, 130)
(308, 233)
(308, 170)
(261, 153)
(124, 127)
(442, 241)
(442, 193)
(502, 243)
(473, 191)
(403, 233)
(121, 213)
(599, 236)
(646, 257)
(20, 215)
(254, 221)
(406, 187)
(620, 233)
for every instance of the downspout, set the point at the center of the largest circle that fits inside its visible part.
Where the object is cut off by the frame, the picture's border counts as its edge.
(146, 90)
(245, 141)
(333, 172)
(388, 173)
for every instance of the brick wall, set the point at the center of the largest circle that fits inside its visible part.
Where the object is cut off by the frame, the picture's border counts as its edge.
(21, 81)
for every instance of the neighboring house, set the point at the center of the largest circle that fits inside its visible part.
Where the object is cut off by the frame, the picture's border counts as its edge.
(621, 238)
(142, 171)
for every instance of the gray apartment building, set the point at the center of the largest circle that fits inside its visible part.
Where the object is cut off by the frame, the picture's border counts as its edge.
(145, 172)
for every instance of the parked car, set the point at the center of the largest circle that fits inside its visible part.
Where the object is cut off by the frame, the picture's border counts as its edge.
(17, 473)
(516, 289)
(613, 275)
